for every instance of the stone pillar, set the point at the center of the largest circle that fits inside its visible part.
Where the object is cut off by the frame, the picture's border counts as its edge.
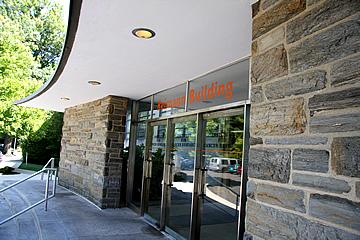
(91, 145)
(304, 167)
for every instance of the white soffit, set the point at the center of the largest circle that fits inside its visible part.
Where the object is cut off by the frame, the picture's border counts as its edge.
(192, 38)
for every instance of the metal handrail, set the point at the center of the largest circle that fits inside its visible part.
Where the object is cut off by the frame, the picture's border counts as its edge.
(50, 171)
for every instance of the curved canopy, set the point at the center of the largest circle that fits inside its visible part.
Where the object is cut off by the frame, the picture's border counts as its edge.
(192, 38)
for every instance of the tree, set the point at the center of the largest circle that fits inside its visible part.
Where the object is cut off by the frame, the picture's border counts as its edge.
(42, 29)
(32, 34)
(16, 63)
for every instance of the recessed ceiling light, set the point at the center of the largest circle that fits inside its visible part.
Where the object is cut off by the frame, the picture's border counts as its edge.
(143, 33)
(94, 83)
(65, 98)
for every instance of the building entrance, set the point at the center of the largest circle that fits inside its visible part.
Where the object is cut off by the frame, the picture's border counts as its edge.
(188, 153)
(192, 174)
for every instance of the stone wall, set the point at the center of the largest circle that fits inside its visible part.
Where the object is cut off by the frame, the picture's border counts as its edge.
(304, 167)
(93, 137)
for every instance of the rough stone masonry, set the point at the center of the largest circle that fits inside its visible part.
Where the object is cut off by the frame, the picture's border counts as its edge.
(93, 138)
(304, 166)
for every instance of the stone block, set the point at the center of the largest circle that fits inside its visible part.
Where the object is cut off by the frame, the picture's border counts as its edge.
(268, 65)
(255, 8)
(334, 43)
(279, 196)
(113, 135)
(296, 85)
(278, 118)
(304, 140)
(270, 164)
(336, 122)
(320, 17)
(327, 184)
(345, 72)
(345, 159)
(270, 223)
(265, 4)
(277, 15)
(254, 48)
(310, 160)
(357, 189)
(248, 236)
(336, 210)
(250, 189)
(270, 40)
(255, 141)
(312, 2)
(335, 100)
(257, 95)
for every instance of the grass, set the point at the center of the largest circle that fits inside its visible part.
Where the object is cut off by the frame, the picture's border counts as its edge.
(31, 166)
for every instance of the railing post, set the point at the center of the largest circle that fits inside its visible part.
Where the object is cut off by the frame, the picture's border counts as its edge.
(54, 183)
(47, 189)
(52, 166)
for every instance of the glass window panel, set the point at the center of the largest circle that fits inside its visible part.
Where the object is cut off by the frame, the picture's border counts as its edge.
(222, 153)
(227, 85)
(138, 166)
(144, 109)
(170, 101)
(157, 152)
(182, 170)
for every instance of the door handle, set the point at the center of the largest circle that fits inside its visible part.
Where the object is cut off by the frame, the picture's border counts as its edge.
(202, 193)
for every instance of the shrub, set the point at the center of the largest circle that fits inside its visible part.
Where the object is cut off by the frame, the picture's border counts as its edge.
(46, 142)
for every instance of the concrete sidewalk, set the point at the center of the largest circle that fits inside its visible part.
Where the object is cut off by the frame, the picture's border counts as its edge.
(69, 217)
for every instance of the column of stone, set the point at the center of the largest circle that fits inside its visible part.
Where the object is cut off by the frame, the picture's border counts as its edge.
(304, 167)
(90, 161)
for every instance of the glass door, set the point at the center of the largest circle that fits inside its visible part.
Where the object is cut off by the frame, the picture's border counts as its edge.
(154, 169)
(192, 174)
(222, 153)
(181, 175)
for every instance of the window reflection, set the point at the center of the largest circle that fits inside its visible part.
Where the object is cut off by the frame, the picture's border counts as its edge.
(183, 155)
(157, 153)
(138, 165)
(223, 154)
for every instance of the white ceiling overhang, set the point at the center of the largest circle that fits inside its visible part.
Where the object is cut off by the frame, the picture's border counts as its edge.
(192, 38)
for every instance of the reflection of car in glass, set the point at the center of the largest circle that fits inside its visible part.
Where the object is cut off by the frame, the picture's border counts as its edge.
(239, 169)
(234, 166)
(222, 164)
(187, 164)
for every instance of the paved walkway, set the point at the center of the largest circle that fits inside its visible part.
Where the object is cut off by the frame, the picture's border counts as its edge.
(69, 217)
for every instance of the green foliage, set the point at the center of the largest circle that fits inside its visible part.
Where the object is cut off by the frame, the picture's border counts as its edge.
(32, 34)
(157, 158)
(42, 29)
(44, 143)
(15, 83)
